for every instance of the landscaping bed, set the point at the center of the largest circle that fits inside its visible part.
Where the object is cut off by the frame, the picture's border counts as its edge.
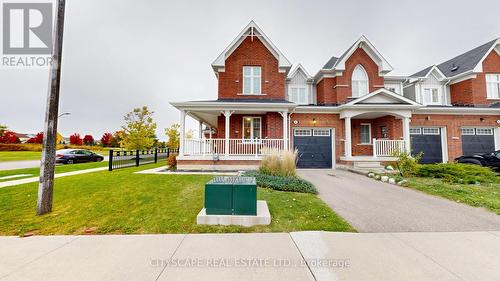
(123, 202)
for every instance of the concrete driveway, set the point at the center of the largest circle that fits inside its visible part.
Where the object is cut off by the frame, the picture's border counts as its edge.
(373, 206)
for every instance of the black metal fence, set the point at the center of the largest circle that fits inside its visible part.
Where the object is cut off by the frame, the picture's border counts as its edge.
(133, 158)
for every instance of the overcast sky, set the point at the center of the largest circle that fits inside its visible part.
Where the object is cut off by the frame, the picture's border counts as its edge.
(121, 54)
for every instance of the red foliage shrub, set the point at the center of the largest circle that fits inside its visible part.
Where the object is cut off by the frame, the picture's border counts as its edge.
(36, 139)
(9, 137)
(106, 139)
(88, 140)
(75, 139)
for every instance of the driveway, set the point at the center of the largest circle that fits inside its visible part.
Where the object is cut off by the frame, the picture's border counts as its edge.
(374, 206)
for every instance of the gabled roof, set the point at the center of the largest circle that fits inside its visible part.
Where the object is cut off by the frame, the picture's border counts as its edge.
(427, 71)
(330, 63)
(363, 42)
(470, 61)
(252, 29)
(382, 96)
(300, 68)
(467, 61)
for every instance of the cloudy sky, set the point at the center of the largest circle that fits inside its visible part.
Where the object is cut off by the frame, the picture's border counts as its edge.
(121, 54)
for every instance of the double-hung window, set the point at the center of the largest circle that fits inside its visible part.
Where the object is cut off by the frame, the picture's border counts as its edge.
(432, 96)
(298, 94)
(252, 128)
(252, 80)
(493, 86)
(366, 134)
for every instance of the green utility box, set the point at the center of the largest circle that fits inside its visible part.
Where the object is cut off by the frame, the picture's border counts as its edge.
(231, 196)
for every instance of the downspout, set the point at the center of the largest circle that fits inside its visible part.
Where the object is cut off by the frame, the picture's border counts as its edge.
(289, 128)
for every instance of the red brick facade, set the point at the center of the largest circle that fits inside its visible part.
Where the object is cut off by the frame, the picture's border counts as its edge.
(394, 132)
(251, 53)
(272, 125)
(473, 91)
(338, 90)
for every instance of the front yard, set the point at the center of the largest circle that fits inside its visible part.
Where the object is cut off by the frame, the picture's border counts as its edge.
(486, 195)
(123, 202)
(35, 172)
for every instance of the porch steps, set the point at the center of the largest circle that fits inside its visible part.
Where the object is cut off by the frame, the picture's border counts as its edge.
(368, 166)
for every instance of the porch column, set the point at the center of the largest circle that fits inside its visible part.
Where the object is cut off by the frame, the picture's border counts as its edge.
(406, 134)
(347, 139)
(284, 114)
(182, 132)
(227, 132)
(200, 130)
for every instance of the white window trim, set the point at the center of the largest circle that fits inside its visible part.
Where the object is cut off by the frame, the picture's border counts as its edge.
(440, 95)
(369, 134)
(251, 81)
(359, 94)
(306, 93)
(415, 133)
(321, 135)
(303, 130)
(431, 128)
(251, 139)
(489, 95)
(483, 134)
(467, 134)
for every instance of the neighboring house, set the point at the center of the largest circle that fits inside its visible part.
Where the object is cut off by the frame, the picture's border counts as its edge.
(352, 112)
(24, 137)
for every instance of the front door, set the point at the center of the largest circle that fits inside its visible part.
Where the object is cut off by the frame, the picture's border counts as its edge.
(314, 147)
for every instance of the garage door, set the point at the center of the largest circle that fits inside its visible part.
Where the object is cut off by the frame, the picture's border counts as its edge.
(314, 147)
(428, 141)
(477, 140)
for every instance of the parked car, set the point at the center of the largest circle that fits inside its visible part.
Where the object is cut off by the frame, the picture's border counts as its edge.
(70, 156)
(487, 159)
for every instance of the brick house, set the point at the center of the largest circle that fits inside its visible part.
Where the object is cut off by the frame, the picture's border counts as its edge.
(351, 112)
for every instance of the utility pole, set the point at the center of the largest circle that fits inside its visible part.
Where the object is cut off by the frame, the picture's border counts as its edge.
(46, 185)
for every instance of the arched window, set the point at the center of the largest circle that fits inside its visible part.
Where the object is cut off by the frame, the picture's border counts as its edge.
(359, 81)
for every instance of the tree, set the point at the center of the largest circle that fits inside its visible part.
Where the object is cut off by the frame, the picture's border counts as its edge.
(117, 139)
(106, 139)
(139, 129)
(36, 139)
(173, 136)
(75, 139)
(9, 137)
(3, 128)
(88, 140)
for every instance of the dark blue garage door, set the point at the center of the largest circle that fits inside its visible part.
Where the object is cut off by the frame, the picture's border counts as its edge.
(477, 141)
(428, 141)
(314, 147)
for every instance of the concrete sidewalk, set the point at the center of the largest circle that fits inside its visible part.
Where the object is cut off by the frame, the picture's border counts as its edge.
(35, 179)
(267, 256)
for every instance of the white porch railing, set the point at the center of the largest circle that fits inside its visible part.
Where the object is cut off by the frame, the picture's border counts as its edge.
(387, 148)
(237, 147)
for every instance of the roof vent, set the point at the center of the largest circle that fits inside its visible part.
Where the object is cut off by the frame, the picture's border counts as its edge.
(454, 67)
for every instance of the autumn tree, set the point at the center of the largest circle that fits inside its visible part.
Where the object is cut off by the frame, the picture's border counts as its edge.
(75, 139)
(106, 139)
(3, 128)
(117, 139)
(88, 140)
(38, 138)
(139, 129)
(9, 137)
(173, 136)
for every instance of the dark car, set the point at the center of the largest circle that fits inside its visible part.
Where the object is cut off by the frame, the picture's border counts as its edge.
(70, 156)
(487, 159)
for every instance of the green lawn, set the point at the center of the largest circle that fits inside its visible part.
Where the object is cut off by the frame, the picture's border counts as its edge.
(123, 202)
(19, 155)
(35, 172)
(485, 195)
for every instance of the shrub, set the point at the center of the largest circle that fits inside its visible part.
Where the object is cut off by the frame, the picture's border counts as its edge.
(75, 139)
(278, 162)
(406, 164)
(36, 139)
(458, 173)
(280, 183)
(88, 140)
(172, 162)
(106, 139)
(9, 137)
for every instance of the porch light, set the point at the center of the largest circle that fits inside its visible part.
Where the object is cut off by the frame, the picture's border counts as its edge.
(481, 119)
(314, 121)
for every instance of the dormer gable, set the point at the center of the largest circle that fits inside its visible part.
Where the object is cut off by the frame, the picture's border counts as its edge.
(253, 31)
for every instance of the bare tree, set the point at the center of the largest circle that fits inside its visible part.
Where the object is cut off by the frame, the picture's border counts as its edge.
(46, 185)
